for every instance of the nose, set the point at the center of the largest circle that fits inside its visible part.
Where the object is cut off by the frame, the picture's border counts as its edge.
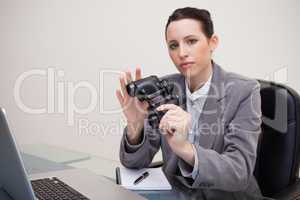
(183, 52)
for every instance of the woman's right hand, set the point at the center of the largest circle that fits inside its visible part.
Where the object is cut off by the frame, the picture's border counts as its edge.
(134, 110)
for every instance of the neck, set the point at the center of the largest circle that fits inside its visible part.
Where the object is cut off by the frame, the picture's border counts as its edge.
(196, 82)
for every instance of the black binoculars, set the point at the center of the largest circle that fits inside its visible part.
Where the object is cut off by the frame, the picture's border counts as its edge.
(156, 92)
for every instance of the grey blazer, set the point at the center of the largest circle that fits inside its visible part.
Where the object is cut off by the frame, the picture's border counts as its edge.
(229, 127)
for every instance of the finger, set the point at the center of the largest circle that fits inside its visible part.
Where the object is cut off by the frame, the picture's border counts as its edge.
(161, 128)
(138, 73)
(164, 124)
(171, 130)
(167, 107)
(172, 113)
(123, 86)
(165, 130)
(128, 76)
(171, 118)
(167, 117)
(169, 136)
(169, 127)
(161, 124)
(120, 97)
(145, 104)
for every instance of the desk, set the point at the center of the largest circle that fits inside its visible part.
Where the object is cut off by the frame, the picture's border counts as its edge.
(106, 167)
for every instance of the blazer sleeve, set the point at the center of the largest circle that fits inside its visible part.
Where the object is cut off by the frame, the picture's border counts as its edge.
(140, 155)
(232, 169)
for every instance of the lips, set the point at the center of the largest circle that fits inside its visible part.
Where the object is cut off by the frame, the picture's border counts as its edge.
(186, 65)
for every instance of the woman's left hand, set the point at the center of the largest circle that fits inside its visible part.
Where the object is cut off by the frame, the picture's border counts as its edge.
(175, 125)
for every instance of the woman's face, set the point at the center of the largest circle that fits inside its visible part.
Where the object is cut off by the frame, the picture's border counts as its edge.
(189, 48)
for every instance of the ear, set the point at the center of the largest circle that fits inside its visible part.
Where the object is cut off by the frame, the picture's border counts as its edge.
(213, 42)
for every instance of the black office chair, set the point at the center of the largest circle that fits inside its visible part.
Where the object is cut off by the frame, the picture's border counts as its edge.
(278, 152)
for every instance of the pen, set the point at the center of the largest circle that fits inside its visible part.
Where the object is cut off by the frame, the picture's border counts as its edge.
(142, 177)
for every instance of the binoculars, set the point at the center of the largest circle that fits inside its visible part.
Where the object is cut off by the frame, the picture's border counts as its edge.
(156, 92)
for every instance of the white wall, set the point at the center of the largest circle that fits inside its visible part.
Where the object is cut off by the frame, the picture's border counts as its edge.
(82, 38)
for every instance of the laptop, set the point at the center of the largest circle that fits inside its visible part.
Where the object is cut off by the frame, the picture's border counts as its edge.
(67, 184)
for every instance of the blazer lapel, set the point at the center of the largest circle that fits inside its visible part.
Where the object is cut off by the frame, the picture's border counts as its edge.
(178, 83)
(210, 125)
(209, 122)
(211, 111)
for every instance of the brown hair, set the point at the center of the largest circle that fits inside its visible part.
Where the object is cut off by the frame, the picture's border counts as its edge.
(201, 15)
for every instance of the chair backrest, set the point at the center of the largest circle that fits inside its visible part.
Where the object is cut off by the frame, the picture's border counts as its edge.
(278, 149)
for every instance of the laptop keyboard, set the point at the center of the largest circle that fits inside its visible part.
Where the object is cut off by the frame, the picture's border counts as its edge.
(55, 189)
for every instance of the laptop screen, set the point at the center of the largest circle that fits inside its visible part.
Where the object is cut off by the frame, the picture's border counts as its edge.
(14, 183)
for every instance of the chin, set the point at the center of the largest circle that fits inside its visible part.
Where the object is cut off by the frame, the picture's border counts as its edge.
(188, 73)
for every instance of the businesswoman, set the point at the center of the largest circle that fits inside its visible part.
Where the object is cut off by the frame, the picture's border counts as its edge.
(210, 140)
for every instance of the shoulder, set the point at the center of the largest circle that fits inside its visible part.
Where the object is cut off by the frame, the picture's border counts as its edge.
(235, 86)
(240, 81)
(240, 85)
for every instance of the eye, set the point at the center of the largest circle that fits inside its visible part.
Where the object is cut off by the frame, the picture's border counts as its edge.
(173, 46)
(192, 41)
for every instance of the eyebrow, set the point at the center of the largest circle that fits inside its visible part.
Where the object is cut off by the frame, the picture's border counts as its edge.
(183, 38)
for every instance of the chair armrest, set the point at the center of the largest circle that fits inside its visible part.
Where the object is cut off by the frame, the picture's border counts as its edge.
(156, 164)
(292, 192)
